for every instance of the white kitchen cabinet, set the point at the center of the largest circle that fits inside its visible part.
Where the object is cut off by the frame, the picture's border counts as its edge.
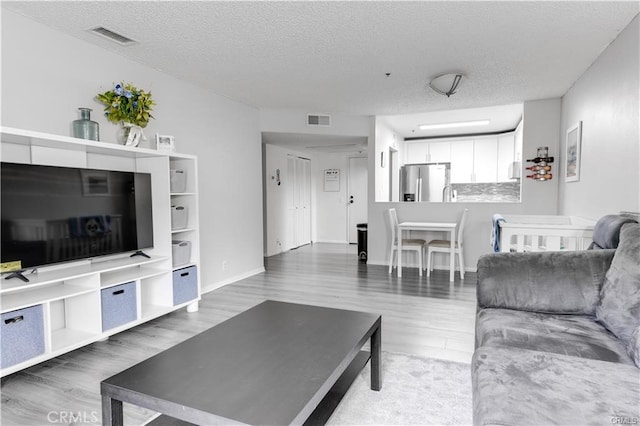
(439, 152)
(416, 152)
(462, 161)
(506, 156)
(427, 152)
(518, 142)
(485, 160)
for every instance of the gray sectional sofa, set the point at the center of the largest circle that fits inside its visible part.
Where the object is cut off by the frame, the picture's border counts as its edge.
(558, 337)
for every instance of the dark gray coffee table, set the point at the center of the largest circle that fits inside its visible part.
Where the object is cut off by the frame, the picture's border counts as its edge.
(272, 364)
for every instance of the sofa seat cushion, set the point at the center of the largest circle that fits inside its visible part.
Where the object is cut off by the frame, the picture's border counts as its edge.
(513, 386)
(574, 335)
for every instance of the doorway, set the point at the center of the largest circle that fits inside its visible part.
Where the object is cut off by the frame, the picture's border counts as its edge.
(357, 196)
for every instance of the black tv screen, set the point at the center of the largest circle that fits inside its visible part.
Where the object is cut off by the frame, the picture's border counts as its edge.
(58, 214)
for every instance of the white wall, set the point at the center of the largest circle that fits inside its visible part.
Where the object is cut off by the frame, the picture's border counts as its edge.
(47, 75)
(541, 128)
(385, 137)
(605, 98)
(294, 121)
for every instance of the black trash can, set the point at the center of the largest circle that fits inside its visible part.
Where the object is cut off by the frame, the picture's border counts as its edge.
(362, 241)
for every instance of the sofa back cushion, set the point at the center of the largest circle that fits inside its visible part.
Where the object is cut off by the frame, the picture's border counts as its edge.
(619, 306)
(606, 232)
(557, 282)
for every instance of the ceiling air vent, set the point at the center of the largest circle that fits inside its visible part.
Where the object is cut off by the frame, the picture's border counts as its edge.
(318, 120)
(113, 36)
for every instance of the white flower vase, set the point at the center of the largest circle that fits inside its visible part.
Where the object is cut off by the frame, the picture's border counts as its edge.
(130, 134)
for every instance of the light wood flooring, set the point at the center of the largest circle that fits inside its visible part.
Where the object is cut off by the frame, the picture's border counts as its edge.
(422, 316)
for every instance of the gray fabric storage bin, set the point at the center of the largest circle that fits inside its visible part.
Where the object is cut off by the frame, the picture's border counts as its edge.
(22, 335)
(118, 305)
(185, 285)
(180, 252)
(178, 180)
(179, 217)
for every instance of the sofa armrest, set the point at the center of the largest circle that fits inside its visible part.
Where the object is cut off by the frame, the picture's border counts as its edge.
(551, 282)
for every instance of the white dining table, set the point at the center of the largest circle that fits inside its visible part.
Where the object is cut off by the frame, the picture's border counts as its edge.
(429, 226)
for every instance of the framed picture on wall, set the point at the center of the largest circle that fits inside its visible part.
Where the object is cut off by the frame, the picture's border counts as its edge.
(573, 145)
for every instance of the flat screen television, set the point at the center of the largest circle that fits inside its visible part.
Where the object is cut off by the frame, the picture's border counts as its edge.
(56, 214)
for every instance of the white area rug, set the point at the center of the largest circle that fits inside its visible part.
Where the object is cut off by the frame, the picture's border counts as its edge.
(415, 391)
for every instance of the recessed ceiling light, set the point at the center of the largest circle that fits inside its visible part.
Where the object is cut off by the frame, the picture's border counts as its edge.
(452, 125)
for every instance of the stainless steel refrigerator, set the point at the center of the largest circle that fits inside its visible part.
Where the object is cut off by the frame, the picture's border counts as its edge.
(426, 182)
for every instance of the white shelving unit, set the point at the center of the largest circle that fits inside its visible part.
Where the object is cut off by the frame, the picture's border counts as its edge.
(70, 293)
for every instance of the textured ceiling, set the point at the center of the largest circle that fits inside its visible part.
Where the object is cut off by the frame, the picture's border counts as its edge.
(332, 56)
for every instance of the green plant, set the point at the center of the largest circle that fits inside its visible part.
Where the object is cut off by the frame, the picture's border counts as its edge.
(125, 103)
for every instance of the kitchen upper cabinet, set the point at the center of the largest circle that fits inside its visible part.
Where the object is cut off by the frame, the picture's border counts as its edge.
(439, 152)
(462, 161)
(518, 143)
(428, 152)
(506, 156)
(416, 152)
(485, 160)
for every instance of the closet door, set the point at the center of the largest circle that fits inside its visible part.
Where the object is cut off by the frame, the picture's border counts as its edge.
(299, 189)
(305, 200)
(290, 226)
(299, 201)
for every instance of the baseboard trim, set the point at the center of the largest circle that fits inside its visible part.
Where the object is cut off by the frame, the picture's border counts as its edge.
(210, 287)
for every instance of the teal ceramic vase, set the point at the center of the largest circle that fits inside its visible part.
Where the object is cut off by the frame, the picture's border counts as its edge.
(85, 128)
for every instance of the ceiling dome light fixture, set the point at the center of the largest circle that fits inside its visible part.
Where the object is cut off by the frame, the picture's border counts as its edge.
(445, 84)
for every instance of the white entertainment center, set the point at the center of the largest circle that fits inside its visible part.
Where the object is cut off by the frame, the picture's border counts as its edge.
(77, 303)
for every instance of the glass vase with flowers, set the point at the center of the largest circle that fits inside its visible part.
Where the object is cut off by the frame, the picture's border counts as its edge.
(130, 107)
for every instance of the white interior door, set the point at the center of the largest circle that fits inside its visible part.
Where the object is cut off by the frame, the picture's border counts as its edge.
(357, 196)
(299, 186)
(290, 239)
(305, 200)
(298, 201)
